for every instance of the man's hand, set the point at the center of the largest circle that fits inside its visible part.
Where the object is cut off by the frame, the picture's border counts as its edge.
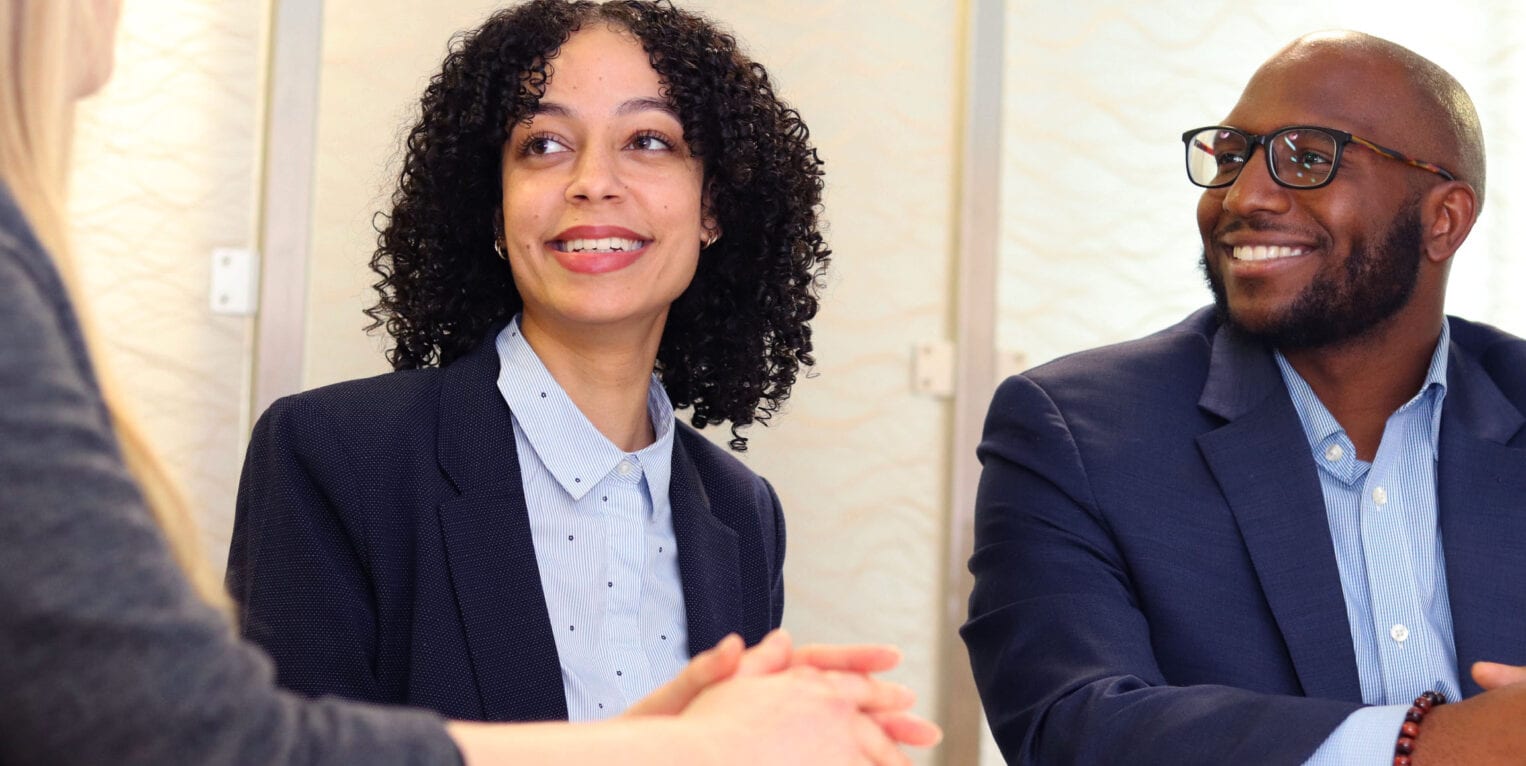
(1486, 729)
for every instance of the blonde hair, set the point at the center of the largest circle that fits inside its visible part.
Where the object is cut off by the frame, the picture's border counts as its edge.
(40, 45)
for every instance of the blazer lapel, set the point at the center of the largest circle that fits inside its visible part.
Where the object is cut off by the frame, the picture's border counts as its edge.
(708, 559)
(489, 548)
(1481, 488)
(1261, 461)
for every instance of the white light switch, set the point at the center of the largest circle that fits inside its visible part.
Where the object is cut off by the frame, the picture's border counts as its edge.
(932, 369)
(235, 277)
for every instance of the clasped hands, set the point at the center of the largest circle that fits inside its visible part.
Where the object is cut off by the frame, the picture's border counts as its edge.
(819, 701)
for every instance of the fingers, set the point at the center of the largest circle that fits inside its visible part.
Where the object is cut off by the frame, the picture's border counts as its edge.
(852, 658)
(1492, 675)
(771, 655)
(908, 729)
(875, 745)
(711, 666)
(870, 695)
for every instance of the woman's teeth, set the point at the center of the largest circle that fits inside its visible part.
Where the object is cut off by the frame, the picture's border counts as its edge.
(603, 245)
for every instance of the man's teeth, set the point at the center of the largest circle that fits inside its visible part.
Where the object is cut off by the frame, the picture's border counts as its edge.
(1265, 252)
(606, 245)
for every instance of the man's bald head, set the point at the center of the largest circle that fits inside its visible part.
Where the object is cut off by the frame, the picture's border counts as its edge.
(1423, 110)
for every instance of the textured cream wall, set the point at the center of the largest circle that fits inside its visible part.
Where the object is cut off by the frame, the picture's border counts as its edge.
(857, 459)
(166, 159)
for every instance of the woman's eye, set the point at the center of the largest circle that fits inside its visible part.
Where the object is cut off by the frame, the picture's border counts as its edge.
(650, 142)
(543, 144)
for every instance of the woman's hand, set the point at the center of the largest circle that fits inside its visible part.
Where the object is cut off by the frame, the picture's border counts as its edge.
(800, 715)
(771, 704)
(775, 654)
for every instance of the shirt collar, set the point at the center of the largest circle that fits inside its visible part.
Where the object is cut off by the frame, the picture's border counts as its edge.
(1320, 426)
(568, 445)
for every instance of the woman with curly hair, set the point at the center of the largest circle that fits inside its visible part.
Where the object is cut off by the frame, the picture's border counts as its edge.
(604, 215)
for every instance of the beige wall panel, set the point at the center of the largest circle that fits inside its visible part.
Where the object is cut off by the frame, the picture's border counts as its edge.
(166, 159)
(377, 57)
(859, 460)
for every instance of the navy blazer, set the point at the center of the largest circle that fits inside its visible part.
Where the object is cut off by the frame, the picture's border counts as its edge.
(1154, 574)
(382, 550)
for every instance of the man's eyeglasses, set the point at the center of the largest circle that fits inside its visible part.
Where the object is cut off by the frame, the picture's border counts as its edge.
(1299, 157)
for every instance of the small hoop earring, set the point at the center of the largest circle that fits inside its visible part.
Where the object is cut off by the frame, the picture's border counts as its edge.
(706, 242)
(498, 248)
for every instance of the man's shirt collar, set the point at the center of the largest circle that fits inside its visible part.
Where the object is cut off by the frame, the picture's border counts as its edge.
(1324, 432)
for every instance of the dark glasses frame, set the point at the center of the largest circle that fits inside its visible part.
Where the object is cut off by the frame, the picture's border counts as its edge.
(1342, 138)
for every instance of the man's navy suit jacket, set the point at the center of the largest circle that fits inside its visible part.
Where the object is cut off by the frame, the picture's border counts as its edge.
(382, 548)
(1154, 574)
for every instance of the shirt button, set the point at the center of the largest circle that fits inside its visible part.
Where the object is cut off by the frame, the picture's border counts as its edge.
(1380, 496)
(626, 468)
(1334, 453)
(1399, 633)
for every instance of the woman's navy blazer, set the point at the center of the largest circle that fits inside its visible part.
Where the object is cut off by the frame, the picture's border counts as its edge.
(381, 548)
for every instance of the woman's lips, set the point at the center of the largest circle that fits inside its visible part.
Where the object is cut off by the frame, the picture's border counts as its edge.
(598, 249)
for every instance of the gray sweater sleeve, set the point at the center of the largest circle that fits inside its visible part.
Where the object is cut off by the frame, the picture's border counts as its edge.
(105, 654)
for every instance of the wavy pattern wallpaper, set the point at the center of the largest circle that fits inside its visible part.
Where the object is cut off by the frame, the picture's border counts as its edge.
(166, 168)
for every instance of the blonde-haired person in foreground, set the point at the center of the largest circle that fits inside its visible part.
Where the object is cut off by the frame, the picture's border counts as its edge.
(112, 654)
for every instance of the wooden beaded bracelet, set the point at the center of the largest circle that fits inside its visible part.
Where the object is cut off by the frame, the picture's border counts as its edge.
(1410, 730)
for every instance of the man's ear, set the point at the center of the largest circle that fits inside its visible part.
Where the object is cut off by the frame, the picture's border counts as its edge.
(1447, 215)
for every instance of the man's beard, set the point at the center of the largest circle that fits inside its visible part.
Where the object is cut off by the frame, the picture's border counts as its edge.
(1340, 304)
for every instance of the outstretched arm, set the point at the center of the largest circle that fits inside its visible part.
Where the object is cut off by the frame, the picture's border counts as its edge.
(763, 706)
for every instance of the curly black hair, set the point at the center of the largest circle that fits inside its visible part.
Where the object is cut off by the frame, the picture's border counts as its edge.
(737, 336)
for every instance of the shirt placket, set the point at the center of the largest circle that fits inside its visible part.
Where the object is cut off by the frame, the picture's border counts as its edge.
(1388, 509)
(625, 516)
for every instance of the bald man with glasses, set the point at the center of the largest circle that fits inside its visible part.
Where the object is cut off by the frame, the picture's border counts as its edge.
(1286, 529)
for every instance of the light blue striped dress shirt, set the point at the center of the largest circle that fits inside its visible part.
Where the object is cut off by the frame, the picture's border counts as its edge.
(603, 534)
(1388, 549)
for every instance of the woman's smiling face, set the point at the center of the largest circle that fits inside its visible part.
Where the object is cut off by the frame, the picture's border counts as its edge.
(602, 201)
